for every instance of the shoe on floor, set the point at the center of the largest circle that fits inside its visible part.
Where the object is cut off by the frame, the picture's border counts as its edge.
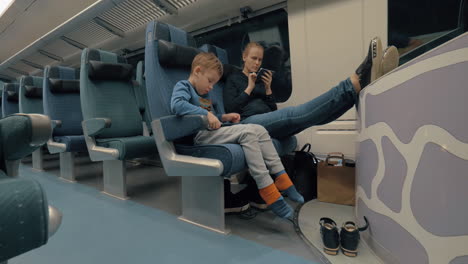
(370, 68)
(251, 194)
(390, 59)
(330, 236)
(349, 238)
(233, 203)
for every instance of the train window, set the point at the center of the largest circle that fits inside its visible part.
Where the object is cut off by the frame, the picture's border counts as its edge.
(415, 27)
(271, 31)
(267, 29)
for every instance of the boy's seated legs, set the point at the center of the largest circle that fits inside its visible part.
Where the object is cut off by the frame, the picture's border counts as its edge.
(246, 136)
(274, 165)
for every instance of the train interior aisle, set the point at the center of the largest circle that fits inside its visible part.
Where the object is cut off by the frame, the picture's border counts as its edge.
(144, 229)
(96, 167)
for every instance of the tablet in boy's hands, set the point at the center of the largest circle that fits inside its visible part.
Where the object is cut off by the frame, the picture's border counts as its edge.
(227, 124)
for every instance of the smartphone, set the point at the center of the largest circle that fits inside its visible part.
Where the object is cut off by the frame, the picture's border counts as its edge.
(260, 72)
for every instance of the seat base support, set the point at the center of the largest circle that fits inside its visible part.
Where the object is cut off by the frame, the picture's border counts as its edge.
(115, 178)
(203, 202)
(38, 160)
(67, 166)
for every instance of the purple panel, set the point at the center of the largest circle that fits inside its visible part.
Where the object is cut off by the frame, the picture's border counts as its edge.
(394, 238)
(367, 164)
(462, 42)
(437, 97)
(391, 187)
(460, 260)
(439, 192)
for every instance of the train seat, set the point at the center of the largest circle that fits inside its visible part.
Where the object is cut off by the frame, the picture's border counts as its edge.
(112, 122)
(30, 95)
(10, 102)
(27, 220)
(168, 56)
(61, 99)
(30, 101)
(142, 97)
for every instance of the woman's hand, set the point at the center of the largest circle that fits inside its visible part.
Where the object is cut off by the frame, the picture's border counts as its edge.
(252, 78)
(213, 121)
(231, 117)
(267, 77)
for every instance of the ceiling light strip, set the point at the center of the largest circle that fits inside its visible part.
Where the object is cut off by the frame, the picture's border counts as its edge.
(32, 64)
(166, 6)
(50, 55)
(18, 71)
(109, 27)
(73, 43)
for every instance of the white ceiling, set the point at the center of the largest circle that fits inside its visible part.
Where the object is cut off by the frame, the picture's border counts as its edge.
(33, 29)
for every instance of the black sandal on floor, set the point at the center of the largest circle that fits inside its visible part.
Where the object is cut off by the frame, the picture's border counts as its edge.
(330, 237)
(349, 237)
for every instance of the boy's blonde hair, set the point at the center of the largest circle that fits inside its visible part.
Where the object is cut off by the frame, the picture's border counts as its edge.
(207, 60)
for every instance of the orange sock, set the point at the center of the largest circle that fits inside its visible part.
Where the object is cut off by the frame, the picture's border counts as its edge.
(270, 194)
(283, 182)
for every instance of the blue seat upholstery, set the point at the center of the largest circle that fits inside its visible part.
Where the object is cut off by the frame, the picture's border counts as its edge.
(2, 85)
(32, 197)
(112, 99)
(30, 101)
(168, 56)
(26, 220)
(61, 101)
(112, 122)
(10, 102)
(142, 97)
(30, 95)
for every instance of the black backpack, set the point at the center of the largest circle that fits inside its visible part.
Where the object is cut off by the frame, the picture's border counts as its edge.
(302, 169)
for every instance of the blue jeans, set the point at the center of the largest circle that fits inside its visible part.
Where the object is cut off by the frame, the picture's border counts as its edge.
(291, 120)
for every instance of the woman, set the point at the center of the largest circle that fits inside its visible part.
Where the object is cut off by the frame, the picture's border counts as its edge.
(254, 100)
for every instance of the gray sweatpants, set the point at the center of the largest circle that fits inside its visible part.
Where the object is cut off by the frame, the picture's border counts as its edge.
(260, 154)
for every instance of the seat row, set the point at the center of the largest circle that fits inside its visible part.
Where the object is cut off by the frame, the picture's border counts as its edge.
(101, 109)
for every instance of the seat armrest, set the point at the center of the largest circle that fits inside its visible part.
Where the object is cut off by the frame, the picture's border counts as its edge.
(95, 126)
(91, 128)
(181, 165)
(175, 127)
(21, 134)
(56, 124)
(41, 129)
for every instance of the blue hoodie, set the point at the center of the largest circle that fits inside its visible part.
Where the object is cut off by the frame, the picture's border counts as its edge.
(186, 101)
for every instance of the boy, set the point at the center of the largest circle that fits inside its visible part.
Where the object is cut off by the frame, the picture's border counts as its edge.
(191, 97)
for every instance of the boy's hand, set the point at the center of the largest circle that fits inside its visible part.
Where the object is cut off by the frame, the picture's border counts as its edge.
(231, 117)
(213, 121)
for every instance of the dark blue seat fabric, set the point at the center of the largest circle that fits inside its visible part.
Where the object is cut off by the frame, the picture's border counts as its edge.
(141, 96)
(23, 203)
(2, 84)
(10, 102)
(107, 91)
(24, 217)
(73, 143)
(61, 101)
(30, 95)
